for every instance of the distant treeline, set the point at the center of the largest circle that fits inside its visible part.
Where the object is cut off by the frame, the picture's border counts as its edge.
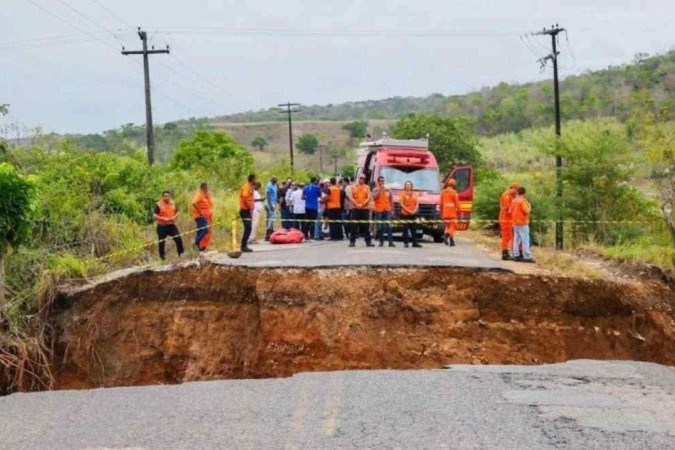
(512, 107)
(648, 82)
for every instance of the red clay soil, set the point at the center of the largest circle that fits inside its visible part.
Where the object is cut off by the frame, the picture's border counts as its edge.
(218, 322)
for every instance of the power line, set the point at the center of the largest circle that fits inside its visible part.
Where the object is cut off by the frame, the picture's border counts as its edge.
(89, 19)
(112, 13)
(373, 32)
(53, 14)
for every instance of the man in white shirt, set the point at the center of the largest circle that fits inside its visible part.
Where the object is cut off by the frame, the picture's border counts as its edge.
(298, 206)
(257, 212)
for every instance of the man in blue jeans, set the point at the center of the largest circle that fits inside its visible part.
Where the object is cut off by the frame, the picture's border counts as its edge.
(382, 207)
(272, 194)
(520, 215)
(311, 194)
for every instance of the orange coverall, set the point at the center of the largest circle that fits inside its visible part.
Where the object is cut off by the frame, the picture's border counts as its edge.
(505, 222)
(450, 210)
(203, 208)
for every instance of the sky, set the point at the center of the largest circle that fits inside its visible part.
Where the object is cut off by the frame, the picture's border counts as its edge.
(61, 67)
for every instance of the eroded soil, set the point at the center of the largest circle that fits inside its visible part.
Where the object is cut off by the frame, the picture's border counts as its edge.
(215, 322)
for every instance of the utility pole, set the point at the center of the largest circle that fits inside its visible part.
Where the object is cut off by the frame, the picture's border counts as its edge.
(150, 133)
(553, 32)
(290, 109)
(322, 149)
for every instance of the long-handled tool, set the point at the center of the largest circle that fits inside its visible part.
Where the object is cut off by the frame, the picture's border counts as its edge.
(235, 252)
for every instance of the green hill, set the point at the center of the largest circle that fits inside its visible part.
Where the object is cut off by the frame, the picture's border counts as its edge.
(613, 91)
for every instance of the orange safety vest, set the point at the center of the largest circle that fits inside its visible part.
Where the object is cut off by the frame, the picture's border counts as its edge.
(166, 211)
(360, 194)
(449, 203)
(333, 202)
(504, 206)
(409, 200)
(520, 211)
(382, 202)
(204, 205)
(246, 197)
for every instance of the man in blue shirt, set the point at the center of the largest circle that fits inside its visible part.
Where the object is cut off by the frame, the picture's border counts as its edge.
(271, 202)
(311, 195)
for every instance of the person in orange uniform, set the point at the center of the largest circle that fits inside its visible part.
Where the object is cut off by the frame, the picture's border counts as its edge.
(450, 210)
(246, 205)
(520, 214)
(202, 211)
(165, 215)
(409, 209)
(382, 207)
(334, 200)
(505, 222)
(359, 198)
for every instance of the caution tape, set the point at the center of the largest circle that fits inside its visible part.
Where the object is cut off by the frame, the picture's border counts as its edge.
(417, 221)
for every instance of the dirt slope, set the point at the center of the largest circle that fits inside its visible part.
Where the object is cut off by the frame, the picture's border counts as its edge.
(215, 322)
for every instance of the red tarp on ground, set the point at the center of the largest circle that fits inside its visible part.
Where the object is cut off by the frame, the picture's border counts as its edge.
(284, 236)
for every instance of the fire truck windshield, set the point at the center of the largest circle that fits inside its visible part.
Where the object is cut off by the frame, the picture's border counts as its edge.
(423, 179)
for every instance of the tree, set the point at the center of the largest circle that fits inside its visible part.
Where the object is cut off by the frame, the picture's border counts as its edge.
(450, 140)
(15, 208)
(259, 142)
(356, 129)
(658, 139)
(4, 109)
(597, 179)
(308, 143)
(214, 154)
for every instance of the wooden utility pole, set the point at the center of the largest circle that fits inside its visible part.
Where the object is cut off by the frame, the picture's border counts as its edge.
(290, 108)
(553, 32)
(322, 149)
(149, 131)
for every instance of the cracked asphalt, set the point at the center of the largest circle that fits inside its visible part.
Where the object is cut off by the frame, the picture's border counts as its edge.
(589, 404)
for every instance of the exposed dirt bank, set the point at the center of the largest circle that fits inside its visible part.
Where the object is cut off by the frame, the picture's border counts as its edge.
(215, 322)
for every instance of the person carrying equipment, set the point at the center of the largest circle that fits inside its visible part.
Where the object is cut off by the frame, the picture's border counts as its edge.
(505, 220)
(450, 211)
(246, 207)
(202, 211)
(409, 208)
(382, 207)
(165, 215)
(359, 199)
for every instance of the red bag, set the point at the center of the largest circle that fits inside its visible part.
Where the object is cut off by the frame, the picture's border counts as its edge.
(284, 236)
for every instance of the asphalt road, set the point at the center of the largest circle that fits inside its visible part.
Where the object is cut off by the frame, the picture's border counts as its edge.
(331, 254)
(580, 404)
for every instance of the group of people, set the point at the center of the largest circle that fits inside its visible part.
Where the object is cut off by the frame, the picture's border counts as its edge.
(347, 208)
(514, 223)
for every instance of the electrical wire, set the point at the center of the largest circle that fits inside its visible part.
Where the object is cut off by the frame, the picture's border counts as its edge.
(112, 14)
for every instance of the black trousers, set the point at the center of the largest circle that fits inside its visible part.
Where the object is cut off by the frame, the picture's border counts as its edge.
(360, 227)
(409, 226)
(248, 226)
(335, 227)
(310, 214)
(165, 231)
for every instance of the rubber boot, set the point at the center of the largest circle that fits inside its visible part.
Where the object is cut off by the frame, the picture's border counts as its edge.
(452, 242)
(505, 255)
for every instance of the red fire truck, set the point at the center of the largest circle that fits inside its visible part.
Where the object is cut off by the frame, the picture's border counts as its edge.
(400, 160)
